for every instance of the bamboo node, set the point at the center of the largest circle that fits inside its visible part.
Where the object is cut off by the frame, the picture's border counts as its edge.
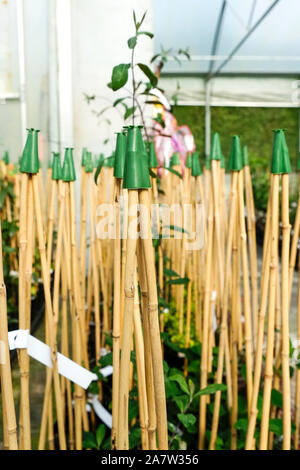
(129, 292)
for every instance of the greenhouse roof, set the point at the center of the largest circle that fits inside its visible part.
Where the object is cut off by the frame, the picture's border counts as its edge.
(214, 30)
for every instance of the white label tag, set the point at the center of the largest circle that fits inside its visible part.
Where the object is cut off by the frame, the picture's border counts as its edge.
(21, 339)
(101, 412)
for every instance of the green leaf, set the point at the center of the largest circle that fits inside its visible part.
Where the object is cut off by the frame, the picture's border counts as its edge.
(98, 170)
(106, 360)
(162, 302)
(181, 382)
(188, 420)
(134, 438)
(132, 42)
(134, 18)
(241, 424)
(153, 78)
(139, 23)
(181, 401)
(175, 172)
(170, 273)
(89, 441)
(276, 426)
(176, 228)
(212, 389)
(154, 58)
(184, 52)
(119, 76)
(129, 112)
(180, 280)
(100, 433)
(118, 101)
(152, 174)
(146, 33)
(276, 398)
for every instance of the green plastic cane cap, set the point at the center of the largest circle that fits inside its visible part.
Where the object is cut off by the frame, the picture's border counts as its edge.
(56, 167)
(98, 160)
(50, 162)
(6, 157)
(280, 158)
(196, 167)
(88, 163)
(83, 156)
(245, 156)
(68, 170)
(175, 160)
(222, 162)
(136, 172)
(110, 161)
(153, 162)
(30, 158)
(120, 154)
(236, 158)
(188, 160)
(216, 152)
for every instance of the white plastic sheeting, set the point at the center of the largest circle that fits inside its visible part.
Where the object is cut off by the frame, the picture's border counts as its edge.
(236, 91)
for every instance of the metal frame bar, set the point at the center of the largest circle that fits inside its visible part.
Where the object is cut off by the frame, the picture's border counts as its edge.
(244, 39)
(22, 71)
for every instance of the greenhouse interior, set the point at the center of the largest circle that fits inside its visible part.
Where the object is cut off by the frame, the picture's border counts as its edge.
(150, 228)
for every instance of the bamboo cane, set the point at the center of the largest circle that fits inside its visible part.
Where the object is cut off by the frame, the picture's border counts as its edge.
(9, 423)
(122, 432)
(223, 328)
(252, 249)
(116, 317)
(297, 391)
(158, 373)
(46, 283)
(147, 342)
(260, 339)
(140, 366)
(246, 292)
(271, 315)
(286, 388)
(25, 433)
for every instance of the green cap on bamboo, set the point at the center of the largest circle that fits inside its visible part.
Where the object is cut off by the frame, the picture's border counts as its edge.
(153, 162)
(50, 162)
(196, 167)
(99, 160)
(83, 156)
(175, 159)
(216, 152)
(236, 158)
(120, 155)
(188, 160)
(109, 162)
(56, 167)
(30, 158)
(222, 162)
(68, 169)
(88, 163)
(280, 158)
(6, 157)
(245, 156)
(136, 173)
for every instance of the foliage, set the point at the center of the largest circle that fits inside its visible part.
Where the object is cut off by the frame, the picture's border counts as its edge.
(9, 250)
(139, 93)
(254, 125)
